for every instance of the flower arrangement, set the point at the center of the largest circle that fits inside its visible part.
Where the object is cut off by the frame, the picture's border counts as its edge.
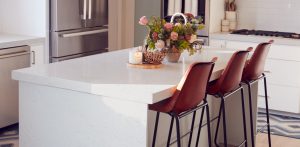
(176, 37)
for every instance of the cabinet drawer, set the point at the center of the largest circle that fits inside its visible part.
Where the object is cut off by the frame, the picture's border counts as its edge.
(285, 52)
(281, 98)
(217, 43)
(283, 72)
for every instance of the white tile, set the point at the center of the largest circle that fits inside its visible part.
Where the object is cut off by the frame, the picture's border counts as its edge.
(276, 15)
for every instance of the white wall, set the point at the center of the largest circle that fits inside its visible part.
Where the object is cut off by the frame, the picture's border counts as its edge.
(27, 17)
(274, 15)
(216, 15)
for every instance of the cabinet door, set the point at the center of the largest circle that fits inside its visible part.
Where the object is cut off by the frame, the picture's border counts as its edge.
(37, 55)
(281, 98)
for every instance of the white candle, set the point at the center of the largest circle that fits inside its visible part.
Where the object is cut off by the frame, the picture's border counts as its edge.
(135, 57)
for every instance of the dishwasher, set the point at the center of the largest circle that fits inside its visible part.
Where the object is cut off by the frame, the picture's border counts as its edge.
(11, 59)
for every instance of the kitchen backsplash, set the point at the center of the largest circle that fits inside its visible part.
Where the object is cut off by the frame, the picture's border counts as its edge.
(273, 15)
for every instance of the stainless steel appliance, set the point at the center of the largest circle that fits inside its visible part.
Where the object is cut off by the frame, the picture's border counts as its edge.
(203, 11)
(11, 59)
(77, 28)
(267, 33)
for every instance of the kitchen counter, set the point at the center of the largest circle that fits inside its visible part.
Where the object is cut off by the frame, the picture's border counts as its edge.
(11, 40)
(255, 39)
(96, 100)
(88, 75)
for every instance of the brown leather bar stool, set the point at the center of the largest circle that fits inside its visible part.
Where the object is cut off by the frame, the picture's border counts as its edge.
(189, 97)
(225, 86)
(253, 72)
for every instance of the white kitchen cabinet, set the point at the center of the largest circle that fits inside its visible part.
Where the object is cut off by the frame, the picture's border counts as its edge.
(282, 98)
(37, 55)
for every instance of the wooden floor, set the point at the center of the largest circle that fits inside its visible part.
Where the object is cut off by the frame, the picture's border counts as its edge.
(277, 141)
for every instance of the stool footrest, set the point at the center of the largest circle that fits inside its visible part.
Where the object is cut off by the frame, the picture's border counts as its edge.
(243, 143)
(262, 128)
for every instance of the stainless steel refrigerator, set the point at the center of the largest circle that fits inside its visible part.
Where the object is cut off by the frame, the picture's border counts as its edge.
(77, 28)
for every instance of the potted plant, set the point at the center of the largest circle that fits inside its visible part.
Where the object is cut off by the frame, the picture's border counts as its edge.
(172, 38)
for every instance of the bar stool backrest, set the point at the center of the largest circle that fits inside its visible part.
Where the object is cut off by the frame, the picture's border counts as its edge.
(255, 67)
(232, 74)
(192, 88)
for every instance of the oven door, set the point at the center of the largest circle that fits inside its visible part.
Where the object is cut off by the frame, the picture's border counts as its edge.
(78, 42)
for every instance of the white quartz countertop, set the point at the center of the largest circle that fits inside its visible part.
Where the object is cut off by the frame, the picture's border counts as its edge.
(10, 40)
(108, 75)
(255, 39)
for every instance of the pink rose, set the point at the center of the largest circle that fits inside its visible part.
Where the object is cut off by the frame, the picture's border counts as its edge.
(154, 36)
(168, 26)
(143, 21)
(174, 36)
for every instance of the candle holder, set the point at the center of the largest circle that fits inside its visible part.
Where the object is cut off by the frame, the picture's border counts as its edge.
(135, 56)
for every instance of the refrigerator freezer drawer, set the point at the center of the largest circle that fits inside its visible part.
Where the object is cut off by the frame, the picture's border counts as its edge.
(77, 42)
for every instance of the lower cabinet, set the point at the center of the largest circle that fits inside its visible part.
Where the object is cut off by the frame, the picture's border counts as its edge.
(282, 71)
(282, 98)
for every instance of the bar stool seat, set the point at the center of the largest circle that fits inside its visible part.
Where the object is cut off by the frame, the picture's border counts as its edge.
(253, 72)
(226, 85)
(189, 96)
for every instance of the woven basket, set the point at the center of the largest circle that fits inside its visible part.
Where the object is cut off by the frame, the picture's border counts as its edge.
(154, 57)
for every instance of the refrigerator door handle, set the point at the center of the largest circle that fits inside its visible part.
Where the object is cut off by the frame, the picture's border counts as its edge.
(84, 9)
(83, 33)
(90, 9)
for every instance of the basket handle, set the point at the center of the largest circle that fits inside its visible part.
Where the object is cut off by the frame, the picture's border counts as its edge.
(179, 14)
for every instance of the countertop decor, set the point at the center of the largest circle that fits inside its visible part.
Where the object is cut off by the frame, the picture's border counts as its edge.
(171, 37)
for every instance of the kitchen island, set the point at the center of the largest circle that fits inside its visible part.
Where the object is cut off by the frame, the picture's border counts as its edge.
(99, 101)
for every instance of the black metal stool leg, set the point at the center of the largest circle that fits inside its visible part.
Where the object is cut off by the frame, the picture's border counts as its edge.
(178, 131)
(155, 129)
(251, 115)
(267, 110)
(224, 122)
(244, 117)
(192, 129)
(170, 132)
(218, 125)
(199, 129)
(208, 126)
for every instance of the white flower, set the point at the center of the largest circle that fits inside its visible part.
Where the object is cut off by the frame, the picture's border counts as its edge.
(160, 44)
(193, 38)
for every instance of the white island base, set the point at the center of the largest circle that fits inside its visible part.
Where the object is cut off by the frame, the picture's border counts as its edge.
(55, 114)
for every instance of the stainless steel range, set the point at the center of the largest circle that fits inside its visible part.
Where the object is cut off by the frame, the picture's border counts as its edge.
(77, 28)
(267, 33)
